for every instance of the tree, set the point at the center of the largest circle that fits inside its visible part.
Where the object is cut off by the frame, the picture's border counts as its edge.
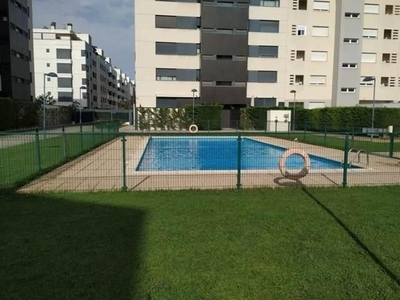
(48, 98)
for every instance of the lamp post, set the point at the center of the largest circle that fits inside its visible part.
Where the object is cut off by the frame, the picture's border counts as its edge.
(51, 74)
(83, 87)
(294, 109)
(193, 91)
(368, 79)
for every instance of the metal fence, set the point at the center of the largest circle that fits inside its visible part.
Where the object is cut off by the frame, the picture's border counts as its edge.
(27, 155)
(101, 158)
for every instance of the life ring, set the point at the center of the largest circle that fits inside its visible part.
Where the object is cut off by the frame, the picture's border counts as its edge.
(193, 128)
(306, 164)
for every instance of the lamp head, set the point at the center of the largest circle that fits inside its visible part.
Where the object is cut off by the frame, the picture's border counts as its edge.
(51, 74)
(369, 78)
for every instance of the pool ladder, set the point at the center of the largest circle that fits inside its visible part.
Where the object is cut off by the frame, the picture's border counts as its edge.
(357, 156)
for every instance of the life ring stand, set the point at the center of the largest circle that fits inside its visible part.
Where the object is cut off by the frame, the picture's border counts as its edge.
(306, 164)
(193, 128)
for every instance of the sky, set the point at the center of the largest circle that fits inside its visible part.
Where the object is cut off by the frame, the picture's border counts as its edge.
(109, 22)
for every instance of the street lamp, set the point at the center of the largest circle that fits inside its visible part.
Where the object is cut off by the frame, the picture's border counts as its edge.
(51, 74)
(193, 91)
(83, 87)
(294, 109)
(368, 79)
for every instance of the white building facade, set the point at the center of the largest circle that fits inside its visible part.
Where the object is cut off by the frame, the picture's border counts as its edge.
(84, 74)
(315, 53)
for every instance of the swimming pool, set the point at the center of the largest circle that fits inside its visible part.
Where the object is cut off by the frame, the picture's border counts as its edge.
(219, 153)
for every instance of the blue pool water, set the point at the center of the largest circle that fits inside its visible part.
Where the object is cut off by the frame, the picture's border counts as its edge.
(188, 153)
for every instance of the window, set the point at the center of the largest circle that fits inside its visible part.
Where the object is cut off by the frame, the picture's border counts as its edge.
(64, 82)
(48, 50)
(177, 75)
(263, 76)
(224, 83)
(224, 57)
(386, 57)
(64, 96)
(177, 48)
(83, 53)
(348, 90)
(263, 51)
(387, 34)
(224, 31)
(64, 68)
(370, 33)
(352, 15)
(318, 80)
(368, 57)
(177, 22)
(299, 79)
(264, 26)
(300, 55)
(371, 8)
(64, 53)
(265, 101)
(384, 81)
(320, 31)
(48, 64)
(302, 5)
(268, 3)
(389, 10)
(301, 30)
(319, 55)
(349, 65)
(350, 40)
(172, 102)
(321, 5)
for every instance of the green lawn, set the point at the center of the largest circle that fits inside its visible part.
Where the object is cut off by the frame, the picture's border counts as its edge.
(23, 157)
(337, 141)
(246, 244)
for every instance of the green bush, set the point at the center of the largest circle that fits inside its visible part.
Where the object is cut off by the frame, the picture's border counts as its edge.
(207, 117)
(17, 114)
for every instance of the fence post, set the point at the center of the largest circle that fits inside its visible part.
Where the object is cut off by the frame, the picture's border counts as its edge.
(325, 134)
(37, 143)
(64, 143)
(93, 139)
(81, 137)
(123, 162)
(345, 159)
(391, 144)
(239, 162)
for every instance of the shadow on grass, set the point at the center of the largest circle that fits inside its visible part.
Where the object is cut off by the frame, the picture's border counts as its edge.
(356, 239)
(55, 248)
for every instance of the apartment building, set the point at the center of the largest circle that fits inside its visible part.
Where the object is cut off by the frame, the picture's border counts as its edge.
(312, 53)
(71, 68)
(16, 67)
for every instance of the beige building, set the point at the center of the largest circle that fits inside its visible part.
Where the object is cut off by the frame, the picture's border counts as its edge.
(316, 53)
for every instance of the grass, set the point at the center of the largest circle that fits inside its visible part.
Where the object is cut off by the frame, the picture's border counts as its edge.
(29, 157)
(337, 141)
(246, 244)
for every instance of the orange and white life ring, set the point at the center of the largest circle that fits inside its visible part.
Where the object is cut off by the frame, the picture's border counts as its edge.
(306, 164)
(193, 128)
